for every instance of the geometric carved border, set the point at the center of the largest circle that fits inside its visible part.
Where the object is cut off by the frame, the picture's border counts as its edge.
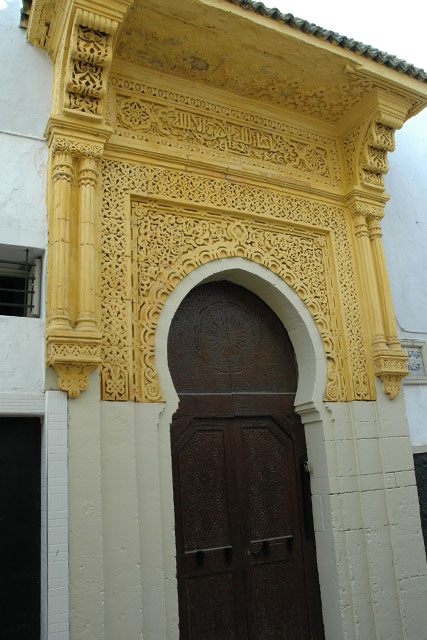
(237, 219)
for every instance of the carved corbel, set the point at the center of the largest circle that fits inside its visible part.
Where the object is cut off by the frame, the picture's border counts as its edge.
(371, 137)
(379, 140)
(89, 62)
(73, 357)
(390, 361)
(391, 367)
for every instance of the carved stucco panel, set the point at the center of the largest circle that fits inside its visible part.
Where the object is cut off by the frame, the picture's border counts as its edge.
(349, 146)
(168, 242)
(174, 120)
(264, 215)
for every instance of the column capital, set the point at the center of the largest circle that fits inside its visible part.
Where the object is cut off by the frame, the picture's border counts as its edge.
(85, 143)
(88, 171)
(366, 205)
(62, 168)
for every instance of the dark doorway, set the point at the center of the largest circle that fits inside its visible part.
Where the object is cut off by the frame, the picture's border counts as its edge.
(246, 558)
(20, 453)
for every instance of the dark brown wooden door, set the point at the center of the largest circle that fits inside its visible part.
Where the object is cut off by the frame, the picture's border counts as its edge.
(20, 528)
(245, 548)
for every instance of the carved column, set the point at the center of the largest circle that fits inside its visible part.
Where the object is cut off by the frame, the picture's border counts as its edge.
(368, 277)
(73, 351)
(367, 198)
(388, 357)
(87, 281)
(375, 236)
(62, 175)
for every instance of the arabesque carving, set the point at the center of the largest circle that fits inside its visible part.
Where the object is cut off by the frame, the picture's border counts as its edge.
(89, 63)
(379, 140)
(349, 146)
(153, 115)
(264, 220)
(168, 242)
(76, 147)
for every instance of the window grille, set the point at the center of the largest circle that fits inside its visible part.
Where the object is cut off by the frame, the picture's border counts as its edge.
(18, 295)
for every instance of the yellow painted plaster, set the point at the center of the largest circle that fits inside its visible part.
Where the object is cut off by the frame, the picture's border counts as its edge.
(183, 133)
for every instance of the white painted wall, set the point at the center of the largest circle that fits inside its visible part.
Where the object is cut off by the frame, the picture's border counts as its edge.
(25, 97)
(405, 243)
(26, 76)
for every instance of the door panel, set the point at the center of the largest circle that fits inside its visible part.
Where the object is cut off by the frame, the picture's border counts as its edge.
(212, 607)
(274, 595)
(268, 483)
(208, 539)
(274, 575)
(205, 504)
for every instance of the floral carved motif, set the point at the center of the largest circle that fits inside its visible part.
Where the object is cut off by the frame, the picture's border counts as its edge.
(379, 140)
(76, 147)
(89, 63)
(169, 242)
(168, 124)
(91, 46)
(349, 145)
(268, 237)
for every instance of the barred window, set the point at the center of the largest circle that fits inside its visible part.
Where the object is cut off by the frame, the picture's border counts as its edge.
(20, 279)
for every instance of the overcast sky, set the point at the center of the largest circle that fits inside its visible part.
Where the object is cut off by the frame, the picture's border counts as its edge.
(398, 27)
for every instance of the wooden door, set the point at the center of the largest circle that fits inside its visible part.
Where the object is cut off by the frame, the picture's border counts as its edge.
(245, 547)
(20, 528)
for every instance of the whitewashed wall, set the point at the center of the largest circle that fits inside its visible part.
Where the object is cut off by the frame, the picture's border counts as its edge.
(25, 97)
(405, 242)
